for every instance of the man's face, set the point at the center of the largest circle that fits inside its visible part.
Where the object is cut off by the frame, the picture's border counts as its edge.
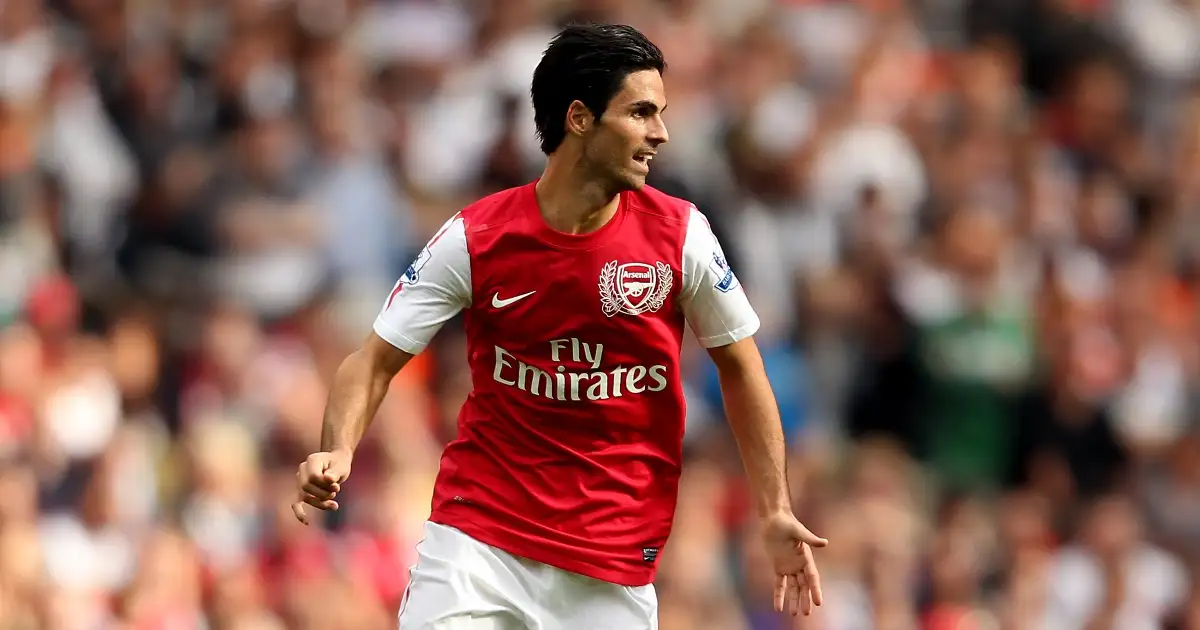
(624, 140)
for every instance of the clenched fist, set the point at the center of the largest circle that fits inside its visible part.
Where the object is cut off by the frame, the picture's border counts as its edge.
(318, 481)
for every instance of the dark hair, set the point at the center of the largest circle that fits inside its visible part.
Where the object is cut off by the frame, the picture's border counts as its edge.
(586, 63)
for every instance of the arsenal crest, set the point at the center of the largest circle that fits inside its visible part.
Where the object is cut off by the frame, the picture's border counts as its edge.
(634, 288)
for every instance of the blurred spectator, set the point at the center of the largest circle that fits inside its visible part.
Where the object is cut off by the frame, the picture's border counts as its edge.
(1113, 577)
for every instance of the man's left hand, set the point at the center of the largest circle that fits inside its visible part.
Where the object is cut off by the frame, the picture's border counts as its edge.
(789, 545)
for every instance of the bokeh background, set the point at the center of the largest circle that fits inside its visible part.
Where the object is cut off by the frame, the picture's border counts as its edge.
(971, 227)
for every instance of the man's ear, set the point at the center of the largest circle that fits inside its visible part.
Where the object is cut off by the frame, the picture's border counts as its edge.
(579, 119)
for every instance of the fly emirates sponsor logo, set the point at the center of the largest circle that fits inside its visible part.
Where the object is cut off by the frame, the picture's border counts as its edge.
(589, 383)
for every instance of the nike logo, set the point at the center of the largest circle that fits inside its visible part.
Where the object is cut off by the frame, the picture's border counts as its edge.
(498, 303)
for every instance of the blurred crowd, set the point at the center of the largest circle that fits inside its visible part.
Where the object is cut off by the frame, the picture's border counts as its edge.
(971, 228)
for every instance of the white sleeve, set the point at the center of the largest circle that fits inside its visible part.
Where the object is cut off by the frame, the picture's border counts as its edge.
(713, 301)
(434, 288)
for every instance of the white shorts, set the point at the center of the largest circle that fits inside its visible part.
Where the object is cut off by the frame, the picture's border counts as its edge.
(460, 583)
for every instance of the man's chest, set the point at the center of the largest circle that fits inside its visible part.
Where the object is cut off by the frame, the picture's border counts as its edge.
(619, 296)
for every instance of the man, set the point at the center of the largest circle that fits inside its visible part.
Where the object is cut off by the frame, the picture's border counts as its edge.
(552, 504)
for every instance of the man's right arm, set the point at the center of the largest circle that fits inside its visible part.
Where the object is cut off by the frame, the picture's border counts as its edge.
(432, 290)
(358, 388)
(359, 385)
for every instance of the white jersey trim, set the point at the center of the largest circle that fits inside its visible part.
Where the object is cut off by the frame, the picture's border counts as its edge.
(714, 304)
(434, 288)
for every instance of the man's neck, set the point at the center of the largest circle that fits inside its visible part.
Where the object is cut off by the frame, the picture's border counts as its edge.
(571, 201)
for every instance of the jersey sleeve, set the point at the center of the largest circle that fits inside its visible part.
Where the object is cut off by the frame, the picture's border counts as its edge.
(714, 304)
(434, 288)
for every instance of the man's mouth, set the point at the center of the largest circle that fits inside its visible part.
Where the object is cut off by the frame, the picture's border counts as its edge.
(643, 157)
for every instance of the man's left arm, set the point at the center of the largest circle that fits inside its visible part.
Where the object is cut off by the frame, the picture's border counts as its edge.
(754, 420)
(724, 323)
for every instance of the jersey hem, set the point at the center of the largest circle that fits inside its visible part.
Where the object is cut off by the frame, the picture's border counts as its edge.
(519, 546)
(733, 336)
(397, 338)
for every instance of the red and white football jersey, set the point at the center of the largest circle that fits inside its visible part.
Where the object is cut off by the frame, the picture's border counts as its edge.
(569, 447)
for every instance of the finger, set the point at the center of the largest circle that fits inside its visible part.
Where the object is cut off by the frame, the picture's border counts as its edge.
(316, 463)
(298, 511)
(814, 588)
(810, 538)
(806, 604)
(321, 481)
(310, 473)
(321, 504)
(313, 489)
(333, 479)
(812, 577)
(334, 470)
(795, 587)
(781, 583)
(324, 469)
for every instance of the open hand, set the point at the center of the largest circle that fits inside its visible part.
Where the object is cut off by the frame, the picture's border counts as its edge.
(789, 544)
(318, 481)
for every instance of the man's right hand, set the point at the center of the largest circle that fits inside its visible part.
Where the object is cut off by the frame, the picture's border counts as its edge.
(318, 481)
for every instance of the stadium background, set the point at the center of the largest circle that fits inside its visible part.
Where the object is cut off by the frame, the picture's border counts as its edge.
(971, 229)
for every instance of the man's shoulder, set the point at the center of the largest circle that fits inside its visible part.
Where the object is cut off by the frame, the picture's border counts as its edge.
(496, 208)
(650, 200)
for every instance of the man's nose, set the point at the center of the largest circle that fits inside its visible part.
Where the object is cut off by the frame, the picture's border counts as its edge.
(657, 133)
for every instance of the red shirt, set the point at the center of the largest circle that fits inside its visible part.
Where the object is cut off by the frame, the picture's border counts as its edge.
(569, 446)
